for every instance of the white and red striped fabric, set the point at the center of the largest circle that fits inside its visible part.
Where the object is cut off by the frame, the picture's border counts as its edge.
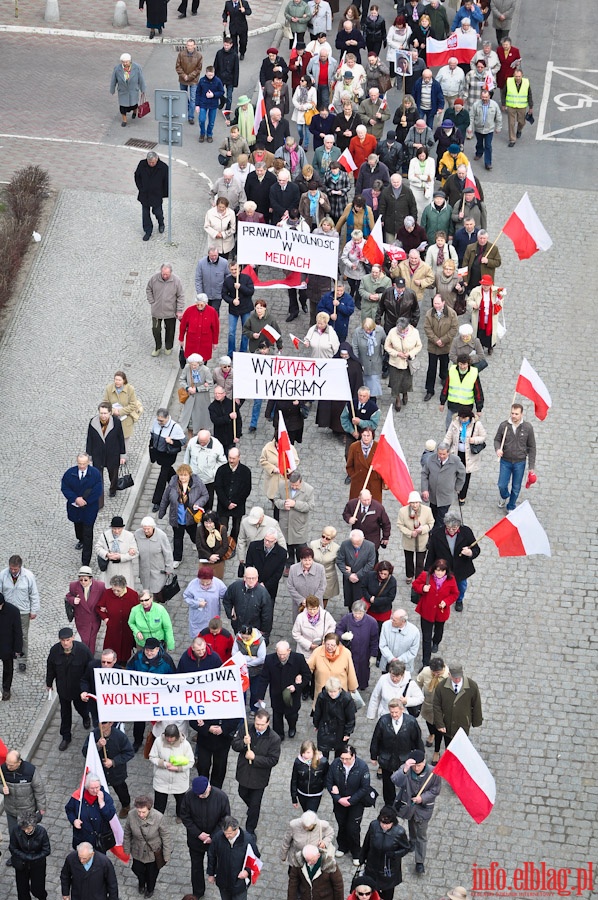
(253, 864)
(520, 534)
(469, 776)
(530, 385)
(286, 457)
(373, 249)
(471, 182)
(270, 333)
(526, 230)
(296, 341)
(238, 659)
(347, 162)
(460, 44)
(93, 766)
(260, 109)
(292, 280)
(390, 463)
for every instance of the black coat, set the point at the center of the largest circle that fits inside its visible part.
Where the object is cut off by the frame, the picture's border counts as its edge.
(118, 749)
(462, 567)
(393, 308)
(267, 70)
(203, 814)
(373, 588)
(106, 450)
(356, 787)
(252, 606)
(278, 134)
(277, 677)
(67, 669)
(237, 19)
(28, 848)
(99, 883)
(283, 201)
(306, 780)
(11, 633)
(293, 419)
(225, 862)
(333, 719)
(392, 157)
(270, 567)
(267, 755)
(226, 65)
(232, 487)
(394, 209)
(157, 11)
(229, 293)
(152, 182)
(382, 852)
(220, 411)
(390, 749)
(259, 191)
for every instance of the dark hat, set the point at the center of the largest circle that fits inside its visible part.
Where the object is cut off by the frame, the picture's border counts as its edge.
(468, 189)
(448, 124)
(417, 756)
(117, 522)
(440, 194)
(151, 643)
(348, 76)
(453, 148)
(300, 45)
(391, 135)
(245, 629)
(272, 50)
(65, 633)
(400, 282)
(200, 784)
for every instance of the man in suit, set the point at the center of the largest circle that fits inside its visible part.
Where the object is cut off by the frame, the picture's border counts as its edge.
(259, 752)
(233, 486)
(286, 673)
(457, 704)
(257, 188)
(371, 517)
(87, 874)
(273, 130)
(355, 557)
(66, 664)
(236, 12)
(82, 487)
(284, 196)
(269, 558)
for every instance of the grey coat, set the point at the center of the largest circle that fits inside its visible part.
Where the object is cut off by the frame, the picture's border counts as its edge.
(504, 8)
(26, 791)
(411, 783)
(443, 482)
(209, 277)
(128, 91)
(371, 365)
(155, 556)
(143, 836)
(295, 522)
(197, 494)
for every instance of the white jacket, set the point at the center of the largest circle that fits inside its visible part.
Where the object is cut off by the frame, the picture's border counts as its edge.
(24, 594)
(204, 460)
(128, 565)
(165, 781)
(307, 634)
(385, 690)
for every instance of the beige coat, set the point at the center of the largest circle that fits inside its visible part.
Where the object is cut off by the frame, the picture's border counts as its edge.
(474, 302)
(297, 837)
(143, 836)
(225, 224)
(328, 560)
(131, 407)
(340, 667)
(165, 780)
(475, 428)
(423, 273)
(129, 564)
(424, 679)
(395, 344)
(272, 479)
(405, 524)
(307, 634)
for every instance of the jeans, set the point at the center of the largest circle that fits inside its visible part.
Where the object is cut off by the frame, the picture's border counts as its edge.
(169, 329)
(508, 470)
(232, 333)
(484, 146)
(462, 585)
(303, 131)
(191, 90)
(146, 219)
(429, 115)
(323, 94)
(252, 798)
(211, 116)
(226, 101)
(255, 413)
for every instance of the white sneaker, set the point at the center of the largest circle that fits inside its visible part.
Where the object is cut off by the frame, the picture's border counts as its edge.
(356, 862)
(339, 853)
(156, 352)
(502, 503)
(176, 564)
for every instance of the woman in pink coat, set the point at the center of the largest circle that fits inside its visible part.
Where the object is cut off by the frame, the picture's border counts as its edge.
(437, 591)
(84, 595)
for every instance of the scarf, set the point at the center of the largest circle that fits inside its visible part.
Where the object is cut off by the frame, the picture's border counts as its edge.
(247, 643)
(303, 98)
(313, 204)
(439, 581)
(440, 257)
(245, 121)
(313, 618)
(334, 654)
(127, 72)
(213, 538)
(371, 339)
(89, 798)
(183, 492)
(485, 312)
(355, 253)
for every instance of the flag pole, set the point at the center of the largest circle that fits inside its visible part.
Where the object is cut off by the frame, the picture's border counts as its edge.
(250, 761)
(104, 747)
(235, 420)
(423, 787)
(4, 785)
(477, 541)
(494, 244)
(367, 478)
(504, 434)
(286, 483)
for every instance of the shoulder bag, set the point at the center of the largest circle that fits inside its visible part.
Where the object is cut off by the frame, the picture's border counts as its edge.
(158, 854)
(222, 159)
(476, 448)
(143, 108)
(171, 587)
(69, 610)
(412, 364)
(308, 115)
(103, 563)
(183, 394)
(415, 597)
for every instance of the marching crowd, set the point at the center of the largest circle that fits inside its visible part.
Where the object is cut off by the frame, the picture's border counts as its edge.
(437, 281)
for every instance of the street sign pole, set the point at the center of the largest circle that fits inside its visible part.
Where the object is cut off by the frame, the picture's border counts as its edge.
(169, 169)
(170, 109)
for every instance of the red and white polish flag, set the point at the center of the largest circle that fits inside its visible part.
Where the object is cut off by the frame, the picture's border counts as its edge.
(390, 463)
(469, 776)
(271, 334)
(461, 44)
(296, 341)
(530, 385)
(374, 246)
(94, 766)
(526, 230)
(292, 280)
(253, 864)
(471, 182)
(520, 534)
(238, 659)
(286, 457)
(260, 109)
(347, 162)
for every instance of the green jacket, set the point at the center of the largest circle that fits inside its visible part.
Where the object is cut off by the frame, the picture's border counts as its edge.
(155, 623)
(300, 11)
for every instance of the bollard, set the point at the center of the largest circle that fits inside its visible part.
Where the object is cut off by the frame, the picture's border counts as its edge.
(52, 13)
(121, 18)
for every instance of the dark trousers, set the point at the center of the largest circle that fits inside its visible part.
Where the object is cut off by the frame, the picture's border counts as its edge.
(112, 478)
(166, 473)
(501, 33)
(437, 735)
(297, 297)
(169, 329)
(214, 759)
(8, 668)
(160, 801)
(146, 219)
(252, 798)
(309, 803)
(414, 563)
(198, 877)
(439, 512)
(183, 7)
(147, 873)
(465, 488)
(389, 792)
(138, 730)
(228, 895)
(32, 880)
(293, 553)
(436, 360)
(66, 715)
(84, 533)
(215, 304)
(122, 792)
(240, 44)
(279, 714)
(348, 819)
(210, 490)
(236, 524)
(179, 536)
(483, 146)
(431, 634)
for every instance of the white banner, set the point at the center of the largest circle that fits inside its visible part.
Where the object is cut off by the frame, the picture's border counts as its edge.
(124, 696)
(283, 248)
(289, 378)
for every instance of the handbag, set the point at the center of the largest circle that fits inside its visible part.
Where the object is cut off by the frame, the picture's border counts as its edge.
(225, 160)
(69, 610)
(412, 364)
(105, 841)
(143, 108)
(287, 32)
(308, 115)
(415, 597)
(196, 514)
(103, 563)
(232, 546)
(460, 305)
(171, 587)
(501, 327)
(183, 395)
(182, 359)
(481, 365)
(158, 854)
(125, 479)
(137, 411)
(403, 805)
(476, 448)
(357, 700)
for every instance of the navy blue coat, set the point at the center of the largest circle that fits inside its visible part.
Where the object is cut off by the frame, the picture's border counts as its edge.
(90, 488)
(209, 84)
(94, 821)
(437, 96)
(344, 311)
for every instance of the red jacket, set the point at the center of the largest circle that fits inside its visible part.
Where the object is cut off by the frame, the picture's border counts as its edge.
(200, 331)
(222, 643)
(359, 151)
(428, 603)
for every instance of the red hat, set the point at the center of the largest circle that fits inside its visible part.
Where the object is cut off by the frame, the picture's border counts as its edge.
(486, 280)
(458, 100)
(531, 479)
(272, 50)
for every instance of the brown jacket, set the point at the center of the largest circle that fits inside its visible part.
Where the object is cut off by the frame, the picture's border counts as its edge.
(423, 273)
(189, 64)
(443, 329)
(494, 260)
(357, 469)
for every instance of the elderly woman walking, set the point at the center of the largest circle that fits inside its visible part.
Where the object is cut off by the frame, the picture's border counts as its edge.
(402, 344)
(359, 633)
(196, 380)
(128, 81)
(148, 840)
(185, 494)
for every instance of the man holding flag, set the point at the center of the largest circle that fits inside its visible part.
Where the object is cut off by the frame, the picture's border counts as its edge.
(228, 859)
(514, 442)
(418, 787)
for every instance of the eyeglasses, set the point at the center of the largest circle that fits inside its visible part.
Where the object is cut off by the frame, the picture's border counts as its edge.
(326, 537)
(363, 893)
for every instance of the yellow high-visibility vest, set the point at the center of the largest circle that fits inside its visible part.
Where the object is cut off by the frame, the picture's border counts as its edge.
(460, 392)
(517, 99)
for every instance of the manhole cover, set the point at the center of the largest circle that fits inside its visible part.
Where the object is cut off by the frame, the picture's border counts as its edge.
(142, 145)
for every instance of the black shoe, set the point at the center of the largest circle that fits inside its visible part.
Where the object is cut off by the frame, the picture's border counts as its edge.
(155, 507)
(6, 695)
(419, 869)
(112, 495)
(459, 606)
(64, 744)
(22, 667)
(385, 373)
(242, 57)
(304, 307)
(434, 650)
(291, 317)
(511, 144)
(252, 428)
(152, 34)
(149, 893)
(141, 888)
(136, 746)
(87, 723)
(428, 397)
(79, 545)
(9, 861)
(146, 236)
(161, 229)
(292, 732)
(194, 13)
(519, 133)
(306, 695)
(182, 15)
(348, 479)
